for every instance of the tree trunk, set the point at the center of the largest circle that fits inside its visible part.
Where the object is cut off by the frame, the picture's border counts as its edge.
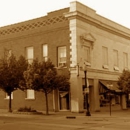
(10, 109)
(47, 111)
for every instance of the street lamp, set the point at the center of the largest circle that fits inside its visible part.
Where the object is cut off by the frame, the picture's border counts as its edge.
(110, 95)
(86, 94)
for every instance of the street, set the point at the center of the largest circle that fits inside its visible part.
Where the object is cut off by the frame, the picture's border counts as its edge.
(100, 121)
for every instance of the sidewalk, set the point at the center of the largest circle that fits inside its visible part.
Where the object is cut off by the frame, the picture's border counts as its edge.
(115, 112)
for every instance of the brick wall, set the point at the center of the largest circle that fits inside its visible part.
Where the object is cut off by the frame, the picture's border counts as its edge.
(53, 30)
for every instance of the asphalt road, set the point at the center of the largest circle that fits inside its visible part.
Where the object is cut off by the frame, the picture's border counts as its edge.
(60, 122)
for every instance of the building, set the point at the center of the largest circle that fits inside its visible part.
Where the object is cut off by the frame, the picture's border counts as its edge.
(70, 37)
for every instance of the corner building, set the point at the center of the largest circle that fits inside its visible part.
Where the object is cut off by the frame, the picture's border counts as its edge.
(70, 37)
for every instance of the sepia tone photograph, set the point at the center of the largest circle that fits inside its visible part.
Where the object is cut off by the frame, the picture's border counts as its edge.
(64, 65)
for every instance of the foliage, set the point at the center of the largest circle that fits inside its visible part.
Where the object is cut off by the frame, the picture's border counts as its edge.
(62, 82)
(11, 73)
(124, 81)
(26, 109)
(42, 76)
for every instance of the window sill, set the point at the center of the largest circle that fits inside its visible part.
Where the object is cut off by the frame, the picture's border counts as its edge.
(29, 98)
(105, 67)
(7, 98)
(116, 68)
(87, 63)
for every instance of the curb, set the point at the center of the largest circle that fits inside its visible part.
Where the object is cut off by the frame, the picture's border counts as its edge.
(29, 113)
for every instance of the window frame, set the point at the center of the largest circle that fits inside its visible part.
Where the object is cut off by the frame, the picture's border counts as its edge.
(125, 60)
(30, 58)
(7, 96)
(116, 59)
(45, 52)
(64, 56)
(28, 95)
(105, 57)
(87, 53)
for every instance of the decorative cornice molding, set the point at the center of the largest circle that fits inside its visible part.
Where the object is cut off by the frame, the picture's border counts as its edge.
(87, 37)
(29, 26)
(95, 21)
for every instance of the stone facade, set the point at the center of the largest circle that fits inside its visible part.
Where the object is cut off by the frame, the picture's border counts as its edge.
(94, 31)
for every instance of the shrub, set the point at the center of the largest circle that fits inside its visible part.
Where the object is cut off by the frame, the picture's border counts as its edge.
(26, 109)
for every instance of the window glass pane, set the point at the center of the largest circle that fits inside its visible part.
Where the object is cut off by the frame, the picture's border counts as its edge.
(45, 52)
(86, 53)
(30, 94)
(7, 96)
(7, 53)
(29, 52)
(105, 55)
(115, 57)
(125, 60)
(62, 56)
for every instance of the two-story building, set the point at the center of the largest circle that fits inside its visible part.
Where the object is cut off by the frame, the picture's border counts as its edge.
(70, 37)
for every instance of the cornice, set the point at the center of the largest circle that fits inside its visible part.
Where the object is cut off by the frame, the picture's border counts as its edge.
(96, 73)
(95, 21)
(34, 34)
(103, 71)
(30, 25)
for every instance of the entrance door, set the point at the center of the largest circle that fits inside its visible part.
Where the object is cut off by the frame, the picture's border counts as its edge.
(64, 100)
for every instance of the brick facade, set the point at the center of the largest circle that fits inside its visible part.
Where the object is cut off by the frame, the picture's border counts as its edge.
(53, 30)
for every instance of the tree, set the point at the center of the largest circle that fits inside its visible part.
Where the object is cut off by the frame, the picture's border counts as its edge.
(11, 74)
(42, 76)
(124, 84)
(124, 81)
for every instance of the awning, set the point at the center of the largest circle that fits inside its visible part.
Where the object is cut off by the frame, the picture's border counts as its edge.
(63, 94)
(109, 86)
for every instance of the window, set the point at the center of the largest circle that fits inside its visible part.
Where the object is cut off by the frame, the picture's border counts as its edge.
(62, 56)
(7, 53)
(7, 96)
(45, 52)
(29, 54)
(115, 56)
(86, 54)
(125, 60)
(105, 57)
(30, 94)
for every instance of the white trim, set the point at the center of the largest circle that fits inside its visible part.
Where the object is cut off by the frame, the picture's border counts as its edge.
(30, 96)
(7, 96)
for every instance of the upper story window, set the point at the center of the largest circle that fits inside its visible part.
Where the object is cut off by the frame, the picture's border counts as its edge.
(29, 54)
(45, 52)
(115, 56)
(7, 53)
(62, 56)
(86, 55)
(105, 57)
(125, 60)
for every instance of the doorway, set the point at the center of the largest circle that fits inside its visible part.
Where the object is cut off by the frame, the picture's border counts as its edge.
(64, 103)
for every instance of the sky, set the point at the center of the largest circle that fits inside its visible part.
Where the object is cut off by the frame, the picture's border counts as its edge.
(15, 11)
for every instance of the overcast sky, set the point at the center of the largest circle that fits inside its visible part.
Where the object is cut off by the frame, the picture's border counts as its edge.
(14, 11)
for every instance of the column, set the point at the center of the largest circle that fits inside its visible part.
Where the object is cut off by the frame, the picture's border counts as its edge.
(123, 102)
(95, 104)
(76, 93)
(56, 100)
